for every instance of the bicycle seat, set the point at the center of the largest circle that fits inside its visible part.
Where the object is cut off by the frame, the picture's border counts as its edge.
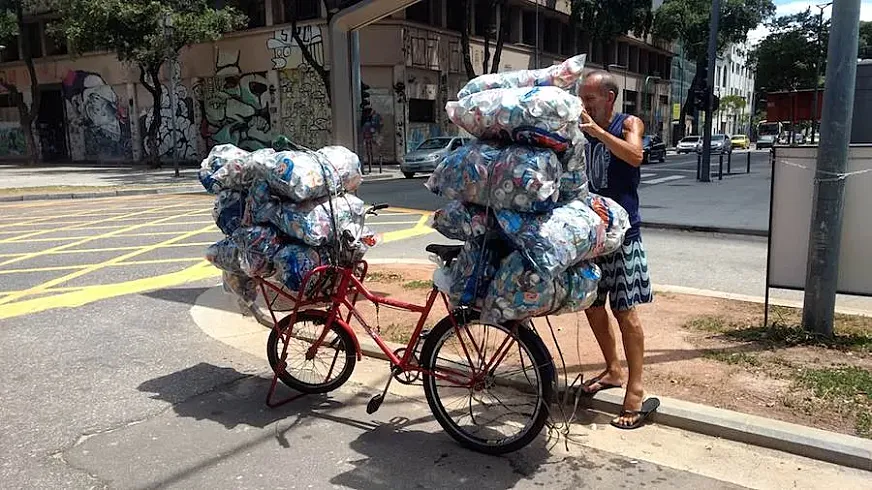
(445, 252)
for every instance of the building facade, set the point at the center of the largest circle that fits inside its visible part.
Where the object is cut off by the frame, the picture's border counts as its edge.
(734, 77)
(255, 84)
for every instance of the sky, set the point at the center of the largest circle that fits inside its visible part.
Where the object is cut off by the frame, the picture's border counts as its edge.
(787, 7)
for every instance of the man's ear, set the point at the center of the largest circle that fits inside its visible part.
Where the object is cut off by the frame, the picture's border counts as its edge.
(613, 97)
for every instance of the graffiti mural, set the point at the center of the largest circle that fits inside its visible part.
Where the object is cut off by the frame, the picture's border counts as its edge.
(235, 106)
(285, 51)
(99, 125)
(186, 130)
(12, 141)
(306, 117)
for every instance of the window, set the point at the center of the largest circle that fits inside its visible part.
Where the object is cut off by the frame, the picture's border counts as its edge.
(551, 35)
(630, 101)
(422, 111)
(419, 12)
(32, 39)
(10, 52)
(529, 35)
(455, 18)
(566, 40)
(623, 53)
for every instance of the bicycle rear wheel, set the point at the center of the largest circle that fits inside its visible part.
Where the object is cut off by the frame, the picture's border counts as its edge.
(501, 410)
(312, 372)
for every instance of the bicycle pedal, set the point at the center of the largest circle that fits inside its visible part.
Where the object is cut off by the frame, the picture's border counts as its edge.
(374, 404)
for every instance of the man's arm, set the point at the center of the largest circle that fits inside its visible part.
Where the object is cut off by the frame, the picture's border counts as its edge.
(628, 149)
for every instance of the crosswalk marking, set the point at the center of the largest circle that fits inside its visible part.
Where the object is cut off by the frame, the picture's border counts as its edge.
(663, 179)
(645, 176)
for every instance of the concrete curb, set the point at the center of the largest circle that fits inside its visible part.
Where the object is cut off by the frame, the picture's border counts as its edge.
(100, 194)
(725, 230)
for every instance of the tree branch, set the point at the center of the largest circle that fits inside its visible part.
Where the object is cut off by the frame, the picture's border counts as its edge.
(466, 5)
(144, 81)
(503, 32)
(304, 48)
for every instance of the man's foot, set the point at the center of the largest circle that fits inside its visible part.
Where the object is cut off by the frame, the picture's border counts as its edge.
(603, 381)
(633, 419)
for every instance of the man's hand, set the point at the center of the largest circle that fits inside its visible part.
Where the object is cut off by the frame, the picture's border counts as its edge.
(589, 126)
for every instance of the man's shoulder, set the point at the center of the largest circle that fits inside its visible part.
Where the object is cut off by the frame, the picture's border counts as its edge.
(631, 120)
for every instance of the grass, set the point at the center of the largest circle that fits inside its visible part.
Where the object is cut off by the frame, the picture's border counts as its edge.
(418, 285)
(841, 383)
(385, 277)
(734, 358)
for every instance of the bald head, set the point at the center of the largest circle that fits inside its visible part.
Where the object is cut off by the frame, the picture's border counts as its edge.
(599, 93)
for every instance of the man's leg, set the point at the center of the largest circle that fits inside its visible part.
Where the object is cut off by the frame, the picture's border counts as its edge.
(605, 337)
(634, 349)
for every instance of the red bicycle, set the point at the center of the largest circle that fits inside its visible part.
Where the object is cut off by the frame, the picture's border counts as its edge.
(487, 385)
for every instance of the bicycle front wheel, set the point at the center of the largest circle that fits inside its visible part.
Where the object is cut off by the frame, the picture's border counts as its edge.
(487, 385)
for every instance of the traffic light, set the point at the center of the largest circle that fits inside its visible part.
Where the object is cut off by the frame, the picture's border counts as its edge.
(716, 103)
(365, 106)
(699, 97)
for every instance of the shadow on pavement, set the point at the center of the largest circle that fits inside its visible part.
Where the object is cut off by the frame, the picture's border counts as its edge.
(186, 296)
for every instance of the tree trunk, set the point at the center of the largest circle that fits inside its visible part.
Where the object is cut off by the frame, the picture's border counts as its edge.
(27, 116)
(466, 5)
(502, 33)
(487, 17)
(150, 78)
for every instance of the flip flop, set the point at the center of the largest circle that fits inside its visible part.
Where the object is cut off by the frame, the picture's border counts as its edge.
(603, 386)
(649, 406)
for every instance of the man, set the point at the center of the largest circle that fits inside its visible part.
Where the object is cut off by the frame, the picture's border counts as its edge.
(614, 158)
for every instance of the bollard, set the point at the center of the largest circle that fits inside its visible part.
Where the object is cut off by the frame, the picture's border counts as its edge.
(721, 166)
(730, 162)
(381, 161)
(698, 166)
(748, 170)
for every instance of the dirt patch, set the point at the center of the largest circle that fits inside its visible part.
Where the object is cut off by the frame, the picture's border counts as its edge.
(700, 349)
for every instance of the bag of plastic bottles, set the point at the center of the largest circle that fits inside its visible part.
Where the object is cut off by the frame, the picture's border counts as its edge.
(564, 75)
(546, 117)
(302, 176)
(518, 177)
(229, 210)
(464, 222)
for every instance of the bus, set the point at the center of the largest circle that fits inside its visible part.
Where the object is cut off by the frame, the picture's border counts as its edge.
(768, 133)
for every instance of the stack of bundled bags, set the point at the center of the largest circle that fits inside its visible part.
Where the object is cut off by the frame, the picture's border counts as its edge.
(519, 198)
(283, 214)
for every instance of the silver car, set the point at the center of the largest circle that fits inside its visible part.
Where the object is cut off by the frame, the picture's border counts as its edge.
(687, 144)
(429, 154)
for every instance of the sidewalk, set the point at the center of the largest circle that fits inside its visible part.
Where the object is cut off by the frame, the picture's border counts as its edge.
(708, 381)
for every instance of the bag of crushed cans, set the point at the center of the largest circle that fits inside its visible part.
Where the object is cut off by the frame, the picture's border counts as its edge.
(517, 292)
(229, 210)
(224, 255)
(294, 261)
(564, 75)
(258, 246)
(576, 231)
(302, 176)
(546, 117)
(471, 272)
(518, 177)
(464, 222)
(217, 168)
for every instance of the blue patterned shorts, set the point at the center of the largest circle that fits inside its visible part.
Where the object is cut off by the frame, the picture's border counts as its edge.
(625, 279)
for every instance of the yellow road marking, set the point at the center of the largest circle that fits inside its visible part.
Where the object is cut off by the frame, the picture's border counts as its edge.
(419, 229)
(393, 223)
(76, 243)
(122, 258)
(114, 249)
(85, 266)
(164, 233)
(411, 211)
(74, 299)
(43, 269)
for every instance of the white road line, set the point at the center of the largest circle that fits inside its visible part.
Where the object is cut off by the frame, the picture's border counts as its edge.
(645, 176)
(663, 179)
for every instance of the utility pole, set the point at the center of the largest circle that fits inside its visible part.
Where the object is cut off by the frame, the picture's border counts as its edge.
(825, 230)
(172, 59)
(705, 173)
(817, 69)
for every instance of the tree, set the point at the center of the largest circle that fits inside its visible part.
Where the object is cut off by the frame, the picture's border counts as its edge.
(11, 25)
(688, 21)
(785, 59)
(319, 68)
(495, 16)
(865, 39)
(732, 103)
(605, 20)
(137, 31)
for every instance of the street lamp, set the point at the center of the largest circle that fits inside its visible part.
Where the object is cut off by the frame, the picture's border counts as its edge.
(624, 89)
(817, 69)
(656, 80)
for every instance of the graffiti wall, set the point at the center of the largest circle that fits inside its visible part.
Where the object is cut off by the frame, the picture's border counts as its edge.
(287, 54)
(12, 141)
(185, 117)
(99, 125)
(235, 106)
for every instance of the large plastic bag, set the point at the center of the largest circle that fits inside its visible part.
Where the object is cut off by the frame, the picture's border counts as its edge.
(294, 261)
(563, 75)
(221, 157)
(518, 292)
(459, 221)
(541, 116)
(258, 246)
(242, 286)
(555, 241)
(311, 222)
(302, 176)
(516, 177)
(573, 181)
(229, 210)
(224, 255)
(473, 269)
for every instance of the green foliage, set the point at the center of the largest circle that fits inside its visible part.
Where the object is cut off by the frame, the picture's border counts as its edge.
(688, 21)
(134, 29)
(733, 103)
(786, 58)
(865, 47)
(8, 23)
(607, 19)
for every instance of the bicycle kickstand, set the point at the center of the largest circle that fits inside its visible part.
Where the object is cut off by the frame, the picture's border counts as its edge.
(377, 400)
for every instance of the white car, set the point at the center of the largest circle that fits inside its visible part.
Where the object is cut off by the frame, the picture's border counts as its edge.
(687, 144)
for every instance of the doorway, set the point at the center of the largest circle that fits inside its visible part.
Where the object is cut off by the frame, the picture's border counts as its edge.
(51, 125)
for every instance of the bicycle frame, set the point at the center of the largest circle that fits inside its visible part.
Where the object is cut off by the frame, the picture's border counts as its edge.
(348, 284)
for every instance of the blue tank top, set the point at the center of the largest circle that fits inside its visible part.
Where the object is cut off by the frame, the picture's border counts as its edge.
(612, 177)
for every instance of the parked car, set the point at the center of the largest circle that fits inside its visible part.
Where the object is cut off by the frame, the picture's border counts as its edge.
(765, 141)
(720, 144)
(653, 149)
(687, 144)
(740, 141)
(429, 154)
